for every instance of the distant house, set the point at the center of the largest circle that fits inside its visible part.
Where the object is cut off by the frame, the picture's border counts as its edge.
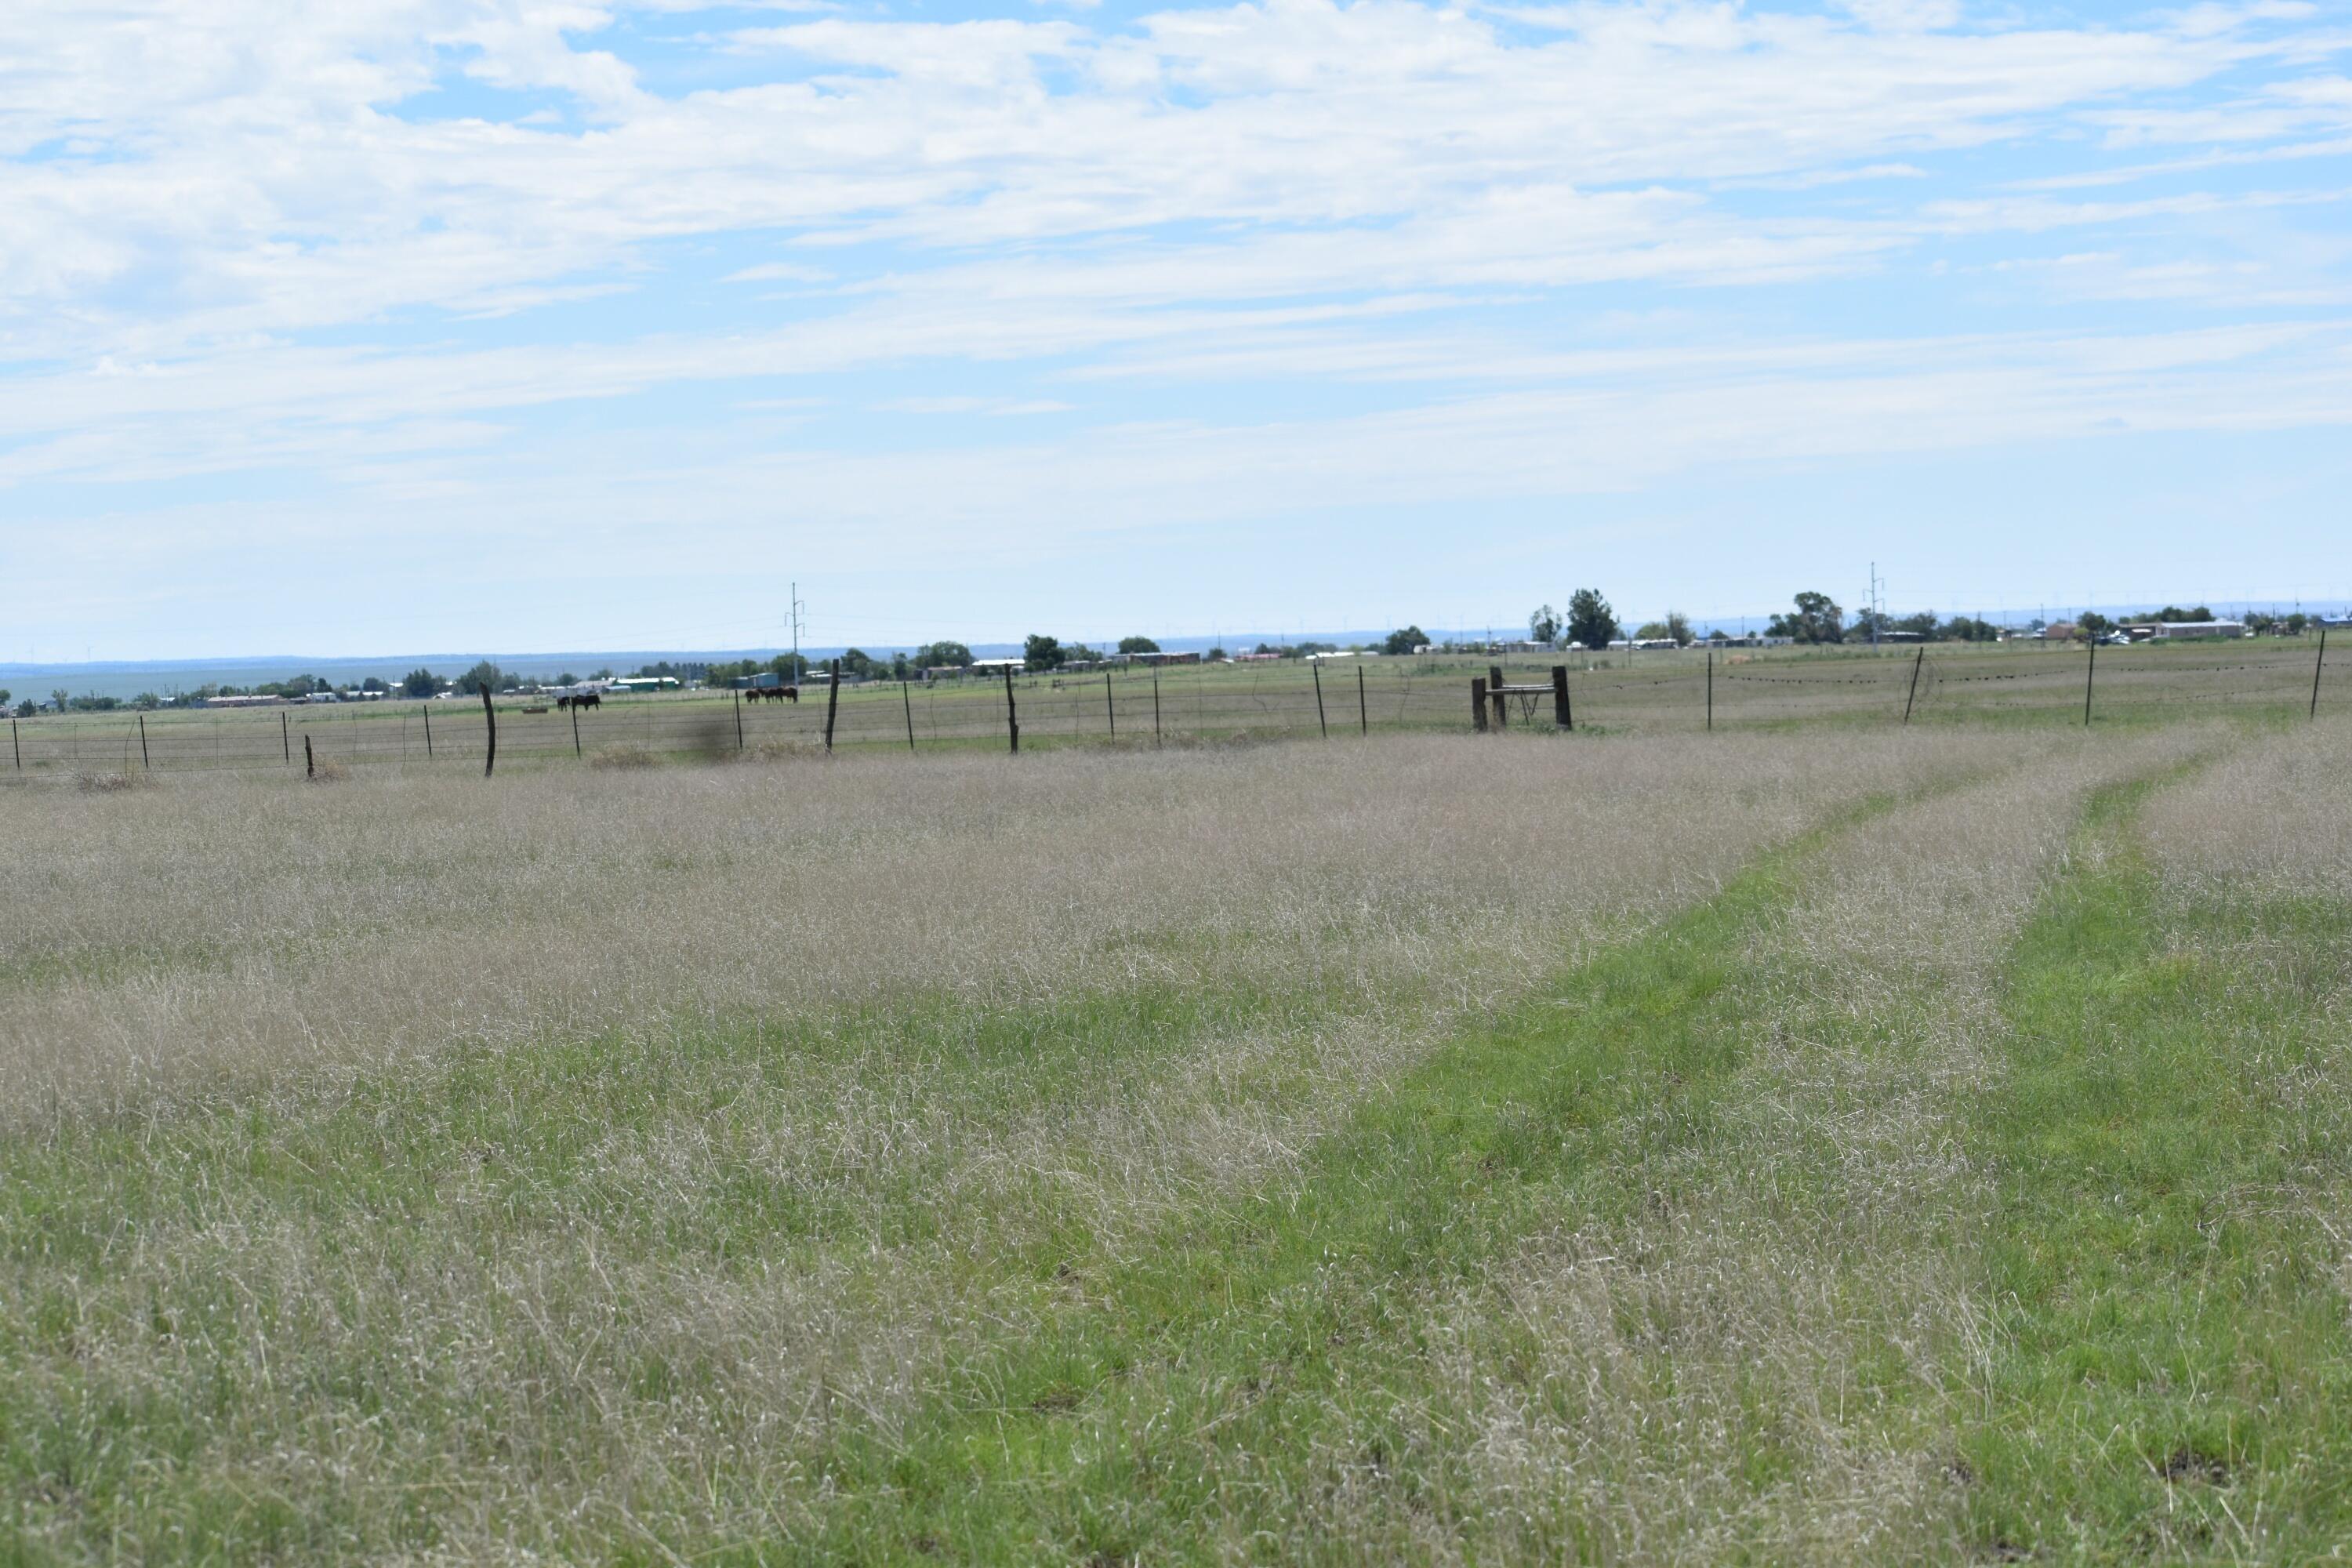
(999, 666)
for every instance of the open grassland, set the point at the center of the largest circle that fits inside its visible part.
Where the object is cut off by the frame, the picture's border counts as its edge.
(1973, 686)
(1809, 1143)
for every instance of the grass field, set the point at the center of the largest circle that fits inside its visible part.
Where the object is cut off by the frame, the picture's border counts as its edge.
(1820, 1140)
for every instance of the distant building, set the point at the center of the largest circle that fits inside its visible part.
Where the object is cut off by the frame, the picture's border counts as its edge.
(2195, 631)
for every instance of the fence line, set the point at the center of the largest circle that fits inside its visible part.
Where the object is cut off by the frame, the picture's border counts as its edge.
(1691, 690)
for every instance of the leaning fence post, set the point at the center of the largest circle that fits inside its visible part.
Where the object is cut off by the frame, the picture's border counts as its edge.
(2316, 664)
(575, 732)
(490, 719)
(18, 741)
(1012, 717)
(1478, 703)
(427, 712)
(1110, 708)
(310, 763)
(832, 702)
(908, 698)
(143, 760)
(1914, 697)
(2089, 676)
(1364, 715)
(1562, 714)
(1315, 668)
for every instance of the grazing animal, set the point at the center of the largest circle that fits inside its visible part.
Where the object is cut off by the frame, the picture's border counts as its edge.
(773, 693)
(585, 699)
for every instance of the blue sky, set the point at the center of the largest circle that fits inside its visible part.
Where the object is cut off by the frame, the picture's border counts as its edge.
(431, 323)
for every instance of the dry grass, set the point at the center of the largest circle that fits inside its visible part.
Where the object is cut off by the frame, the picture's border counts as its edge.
(579, 1160)
(626, 755)
(229, 930)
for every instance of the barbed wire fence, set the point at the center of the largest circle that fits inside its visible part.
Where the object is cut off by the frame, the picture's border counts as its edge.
(1691, 690)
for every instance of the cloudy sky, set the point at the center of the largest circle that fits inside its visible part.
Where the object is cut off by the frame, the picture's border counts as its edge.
(397, 324)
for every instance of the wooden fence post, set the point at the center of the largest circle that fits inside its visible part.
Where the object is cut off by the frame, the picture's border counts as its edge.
(1111, 705)
(286, 740)
(17, 740)
(1562, 714)
(144, 761)
(908, 697)
(427, 712)
(310, 763)
(1494, 695)
(1478, 703)
(491, 721)
(831, 703)
(1710, 687)
(1315, 668)
(1011, 715)
(2316, 664)
(1363, 713)
(575, 732)
(1914, 697)
(1155, 705)
(738, 721)
(2089, 676)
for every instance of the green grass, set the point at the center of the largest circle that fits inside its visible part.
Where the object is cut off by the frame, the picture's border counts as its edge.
(1765, 1234)
(2176, 1361)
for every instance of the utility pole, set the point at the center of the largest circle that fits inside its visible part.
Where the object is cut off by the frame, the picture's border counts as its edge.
(796, 608)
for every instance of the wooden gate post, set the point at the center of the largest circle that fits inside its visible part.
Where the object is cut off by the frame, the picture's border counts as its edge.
(1478, 703)
(490, 719)
(1562, 714)
(831, 703)
(1012, 716)
(1494, 695)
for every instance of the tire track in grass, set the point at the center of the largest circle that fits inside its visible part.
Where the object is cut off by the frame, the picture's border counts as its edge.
(2172, 1369)
(1241, 1330)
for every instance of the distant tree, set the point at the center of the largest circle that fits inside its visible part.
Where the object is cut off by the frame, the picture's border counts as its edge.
(1678, 628)
(1590, 621)
(1924, 623)
(603, 672)
(1968, 628)
(2296, 624)
(25, 709)
(567, 679)
(1718, 635)
(483, 677)
(2174, 615)
(1653, 631)
(1042, 652)
(1816, 619)
(146, 701)
(1079, 653)
(4, 697)
(420, 682)
(1543, 625)
(2090, 624)
(856, 662)
(1138, 644)
(2260, 620)
(943, 655)
(1405, 641)
(1216, 655)
(61, 698)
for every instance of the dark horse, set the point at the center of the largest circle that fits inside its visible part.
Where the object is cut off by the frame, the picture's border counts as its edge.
(585, 699)
(773, 693)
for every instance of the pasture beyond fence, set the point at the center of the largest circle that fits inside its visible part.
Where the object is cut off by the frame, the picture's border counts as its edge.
(1649, 692)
